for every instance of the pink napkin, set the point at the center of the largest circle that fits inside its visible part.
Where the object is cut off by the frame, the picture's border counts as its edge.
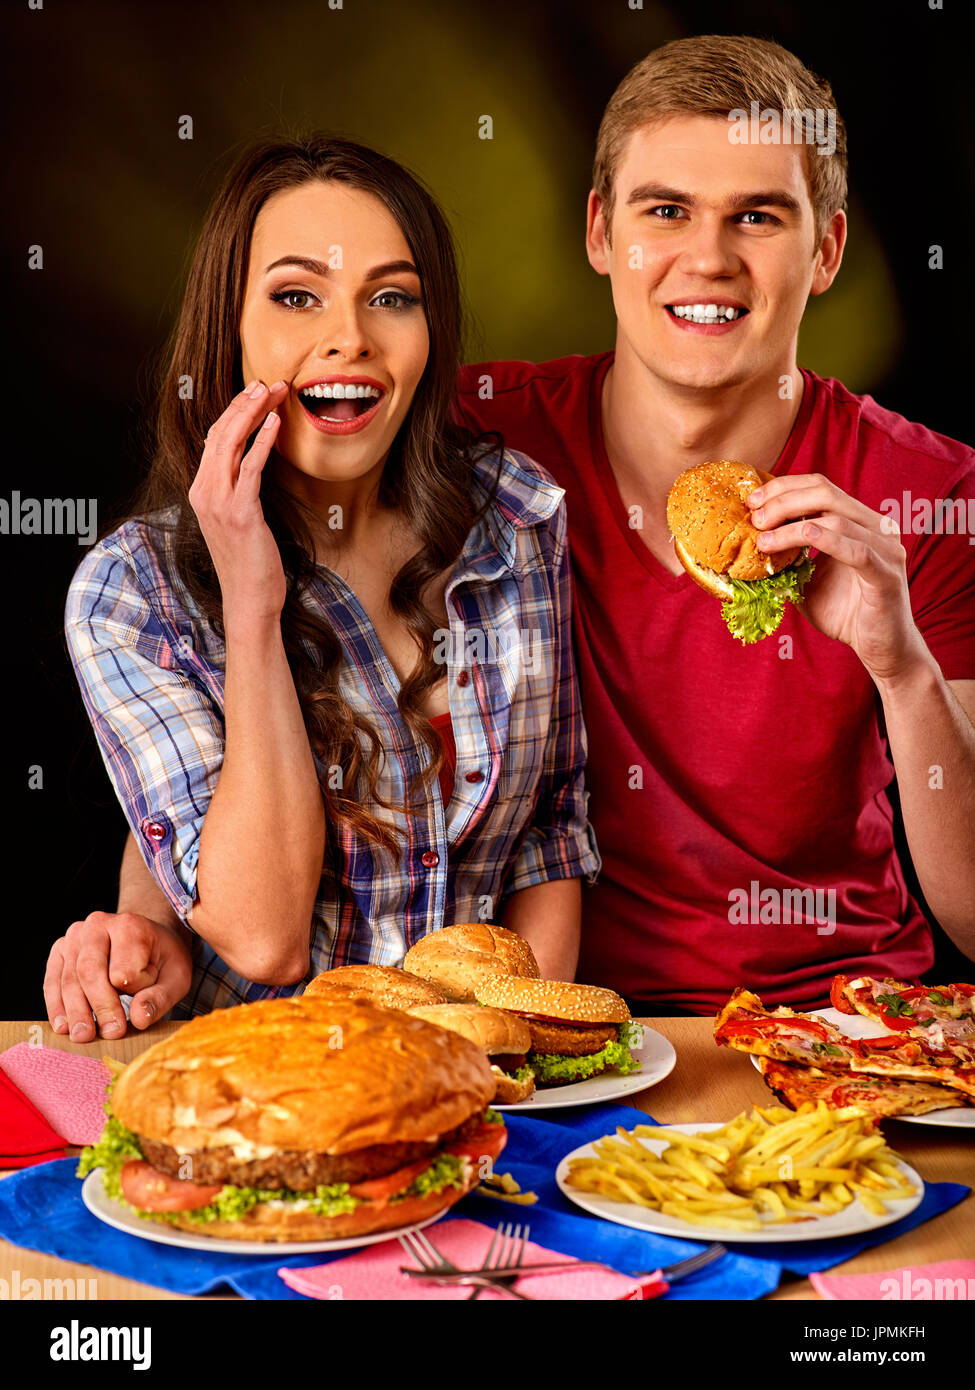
(947, 1279)
(68, 1090)
(373, 1273)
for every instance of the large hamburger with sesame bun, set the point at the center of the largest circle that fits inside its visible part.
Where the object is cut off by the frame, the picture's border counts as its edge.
(300, 1120)
(717, 543)
(505, 1038)
(460, 958)
(577, 1031)
(383, 985)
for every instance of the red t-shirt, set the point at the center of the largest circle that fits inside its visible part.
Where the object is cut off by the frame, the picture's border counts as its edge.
(448, 770)
(717, 771)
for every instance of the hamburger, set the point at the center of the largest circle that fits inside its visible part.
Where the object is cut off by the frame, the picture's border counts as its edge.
(382, 985)
(460, 958)
(504, 1037)
(717, 544)
(576, 1031)
(299, 1119)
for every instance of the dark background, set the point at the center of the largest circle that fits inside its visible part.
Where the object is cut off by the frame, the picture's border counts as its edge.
(95, 174)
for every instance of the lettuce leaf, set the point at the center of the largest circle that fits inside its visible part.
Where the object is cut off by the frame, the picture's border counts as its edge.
(551, 1066)
(755, 609)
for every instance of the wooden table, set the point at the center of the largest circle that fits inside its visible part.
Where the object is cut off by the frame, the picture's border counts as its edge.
(708, 1083)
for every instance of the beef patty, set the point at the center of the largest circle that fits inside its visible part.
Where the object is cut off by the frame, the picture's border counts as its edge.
(295, 1168)
(568, 1040)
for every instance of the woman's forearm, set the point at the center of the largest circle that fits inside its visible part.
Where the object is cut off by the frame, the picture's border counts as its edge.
(263, 839)
(932, 744)
(549, 917)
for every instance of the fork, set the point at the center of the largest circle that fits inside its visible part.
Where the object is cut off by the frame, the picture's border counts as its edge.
(423, 1250)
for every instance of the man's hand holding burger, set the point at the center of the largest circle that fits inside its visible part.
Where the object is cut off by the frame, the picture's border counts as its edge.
(858, 593)
(109, 953)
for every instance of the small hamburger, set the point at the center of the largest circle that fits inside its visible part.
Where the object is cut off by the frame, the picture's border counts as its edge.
(459, 958)
(299, 1119)
(717, 544)
(576, 1031)
(504, 1037)
(382, 985)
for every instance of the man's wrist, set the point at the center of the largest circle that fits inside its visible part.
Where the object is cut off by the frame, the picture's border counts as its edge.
(920, 677)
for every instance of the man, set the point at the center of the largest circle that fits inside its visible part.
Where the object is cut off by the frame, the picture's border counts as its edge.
(737, 793)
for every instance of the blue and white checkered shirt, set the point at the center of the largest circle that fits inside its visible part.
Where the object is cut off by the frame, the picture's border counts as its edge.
(151, 671)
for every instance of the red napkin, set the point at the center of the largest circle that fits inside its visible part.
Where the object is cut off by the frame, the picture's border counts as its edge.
(954, 1279)
(25, 1135)
(67, 1090)
(373, 1273)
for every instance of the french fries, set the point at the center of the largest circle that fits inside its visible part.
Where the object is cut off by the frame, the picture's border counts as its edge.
(772, 1166)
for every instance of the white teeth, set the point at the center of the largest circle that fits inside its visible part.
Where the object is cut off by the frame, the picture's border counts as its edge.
(706, 313)
(338, 391)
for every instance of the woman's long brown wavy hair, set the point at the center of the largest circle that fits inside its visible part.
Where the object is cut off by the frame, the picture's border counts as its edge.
(427, 477)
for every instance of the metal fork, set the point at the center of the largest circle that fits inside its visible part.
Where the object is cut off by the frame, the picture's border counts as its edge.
(423, 1250)
(505, 1253)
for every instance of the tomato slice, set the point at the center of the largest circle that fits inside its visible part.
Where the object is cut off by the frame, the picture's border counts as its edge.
(486, 1141)
(381, 1189)
(837, 997)
(146, 1187)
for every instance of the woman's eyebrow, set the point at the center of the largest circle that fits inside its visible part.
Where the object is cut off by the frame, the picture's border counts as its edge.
(309, 263)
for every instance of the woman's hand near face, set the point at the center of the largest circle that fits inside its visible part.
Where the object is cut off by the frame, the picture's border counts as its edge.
(226, 497)
(110, 952)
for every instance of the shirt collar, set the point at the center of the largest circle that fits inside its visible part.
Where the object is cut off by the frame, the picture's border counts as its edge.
(525, 497)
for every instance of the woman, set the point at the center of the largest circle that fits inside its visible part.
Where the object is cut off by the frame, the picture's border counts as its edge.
(319, 597)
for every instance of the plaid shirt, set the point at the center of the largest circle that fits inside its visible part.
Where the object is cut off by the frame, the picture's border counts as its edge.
(151, 671)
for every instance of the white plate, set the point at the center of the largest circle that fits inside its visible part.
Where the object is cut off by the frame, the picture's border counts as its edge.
(98, 1202)
(657, 1059)
(850, 1221)
(856, 1026)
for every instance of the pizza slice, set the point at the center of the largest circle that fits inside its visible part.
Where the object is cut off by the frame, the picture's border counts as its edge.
(942, 1015)
(880, 1095)
(786, 1036)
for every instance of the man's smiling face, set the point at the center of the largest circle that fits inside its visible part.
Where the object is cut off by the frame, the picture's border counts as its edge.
(699, 221)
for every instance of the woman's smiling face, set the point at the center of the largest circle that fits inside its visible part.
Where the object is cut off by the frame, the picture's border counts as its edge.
(333, 295)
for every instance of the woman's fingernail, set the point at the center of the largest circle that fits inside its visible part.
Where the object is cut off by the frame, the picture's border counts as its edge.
(60, 1023)
(250, 386)
(258, 390)
(271, 421)
(278, 384)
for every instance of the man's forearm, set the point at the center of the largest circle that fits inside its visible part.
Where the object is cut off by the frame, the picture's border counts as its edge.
(549, 917)
(932, 744)
(139, 893)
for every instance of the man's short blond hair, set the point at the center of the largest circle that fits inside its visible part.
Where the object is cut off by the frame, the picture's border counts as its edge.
(712, 75)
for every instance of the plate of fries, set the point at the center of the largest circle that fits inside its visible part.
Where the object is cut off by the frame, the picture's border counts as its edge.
(772, 1175)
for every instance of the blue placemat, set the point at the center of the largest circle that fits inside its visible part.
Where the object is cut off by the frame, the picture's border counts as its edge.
(41, 1209)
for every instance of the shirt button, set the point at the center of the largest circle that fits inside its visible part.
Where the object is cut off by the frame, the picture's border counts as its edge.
(430, 860)
(463, 677)
(154, 830)
(474, 777)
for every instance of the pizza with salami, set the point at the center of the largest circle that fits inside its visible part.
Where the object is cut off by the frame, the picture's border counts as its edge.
(880, 1095)
(782, 1035)
(942, 1015)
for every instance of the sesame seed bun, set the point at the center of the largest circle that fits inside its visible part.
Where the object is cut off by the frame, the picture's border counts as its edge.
(460, 958)
(559, 999)
(710, 522)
